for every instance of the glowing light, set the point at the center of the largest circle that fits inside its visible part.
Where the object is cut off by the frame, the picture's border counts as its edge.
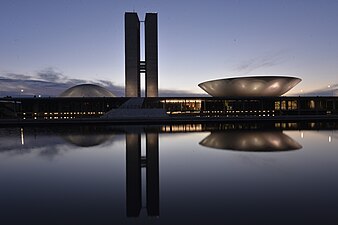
(22, 137)
(302, 134)
(330, 139)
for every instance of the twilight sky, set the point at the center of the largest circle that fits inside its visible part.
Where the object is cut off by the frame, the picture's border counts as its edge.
(83, 40)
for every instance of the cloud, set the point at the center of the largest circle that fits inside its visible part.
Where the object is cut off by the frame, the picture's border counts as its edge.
(332, 90)
(49, 74)
(49, 82)
(17, 76)
(260, 62)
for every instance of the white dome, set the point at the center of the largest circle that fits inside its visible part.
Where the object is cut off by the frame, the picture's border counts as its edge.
(87, 90)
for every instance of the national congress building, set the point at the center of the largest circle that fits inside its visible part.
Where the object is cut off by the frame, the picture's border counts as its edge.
(251, 96)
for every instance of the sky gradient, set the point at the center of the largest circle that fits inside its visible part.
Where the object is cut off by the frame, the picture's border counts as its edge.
(83, 40)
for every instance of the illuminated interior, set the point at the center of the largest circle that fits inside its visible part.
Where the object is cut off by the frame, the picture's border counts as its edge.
(73, 108)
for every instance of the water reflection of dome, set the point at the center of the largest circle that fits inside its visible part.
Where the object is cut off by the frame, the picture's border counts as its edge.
(87, 90)
(256, 141)
(87, 140)
(250, 86)
(87, 136)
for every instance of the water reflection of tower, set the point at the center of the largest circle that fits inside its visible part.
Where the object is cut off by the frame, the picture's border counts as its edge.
(134, 163)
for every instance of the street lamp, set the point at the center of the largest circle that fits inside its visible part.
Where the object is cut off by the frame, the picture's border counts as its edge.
(21, 91)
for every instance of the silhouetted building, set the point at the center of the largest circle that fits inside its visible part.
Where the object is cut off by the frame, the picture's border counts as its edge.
(132, 54)
(72, 108)
(134, 163)
(151, 51)
(133, 176)
(133, 65)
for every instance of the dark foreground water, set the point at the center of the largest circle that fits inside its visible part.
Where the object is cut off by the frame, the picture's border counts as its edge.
(181, 174)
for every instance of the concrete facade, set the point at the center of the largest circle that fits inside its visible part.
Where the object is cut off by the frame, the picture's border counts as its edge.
(133, 65)
(151, 55)
(252, 86)
(132, 55)
(51, 108)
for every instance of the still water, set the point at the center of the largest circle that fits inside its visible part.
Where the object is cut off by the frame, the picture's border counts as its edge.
(173, 174)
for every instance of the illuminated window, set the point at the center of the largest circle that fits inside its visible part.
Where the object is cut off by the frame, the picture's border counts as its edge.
(277, 105)
(292, 104)
(283, 106)
(312, 104)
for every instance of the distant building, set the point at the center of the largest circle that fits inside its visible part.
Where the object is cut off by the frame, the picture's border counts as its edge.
(86, 90)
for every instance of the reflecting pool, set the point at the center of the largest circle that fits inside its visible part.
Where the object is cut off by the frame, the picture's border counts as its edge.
(278, 173)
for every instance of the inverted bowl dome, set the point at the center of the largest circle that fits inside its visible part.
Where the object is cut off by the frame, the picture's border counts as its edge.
(254, 141)
(250, 86)
(87, 90)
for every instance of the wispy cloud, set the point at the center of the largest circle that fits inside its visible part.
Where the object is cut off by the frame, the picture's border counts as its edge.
(265, 61)
(49, 74)
(331, 90)
(49, 82)
(16, 76)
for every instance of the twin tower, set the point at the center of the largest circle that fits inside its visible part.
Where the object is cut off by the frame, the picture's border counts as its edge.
(134, 67)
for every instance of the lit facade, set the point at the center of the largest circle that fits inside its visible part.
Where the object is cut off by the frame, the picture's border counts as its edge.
(73, 108)
(253, 86)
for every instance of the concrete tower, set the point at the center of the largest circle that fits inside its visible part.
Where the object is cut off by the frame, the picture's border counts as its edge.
(151, 51)
(133, 66)
(132, 55)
